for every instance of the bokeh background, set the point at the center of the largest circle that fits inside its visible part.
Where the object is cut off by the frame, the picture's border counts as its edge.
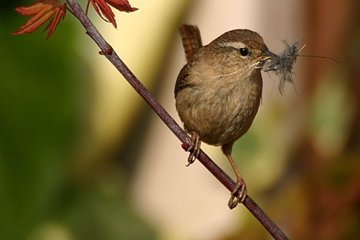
(83, 157)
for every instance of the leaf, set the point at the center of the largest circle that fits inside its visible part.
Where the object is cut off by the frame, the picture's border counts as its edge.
(41, 12)
(103, 9)
(121, 5)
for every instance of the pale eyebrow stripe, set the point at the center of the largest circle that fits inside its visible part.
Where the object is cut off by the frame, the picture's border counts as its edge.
(236, 45)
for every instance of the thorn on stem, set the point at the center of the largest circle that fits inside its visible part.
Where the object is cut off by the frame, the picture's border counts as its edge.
(185, 146)
(107, 51)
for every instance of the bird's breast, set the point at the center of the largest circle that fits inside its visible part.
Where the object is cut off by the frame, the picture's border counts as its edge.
(220, 111)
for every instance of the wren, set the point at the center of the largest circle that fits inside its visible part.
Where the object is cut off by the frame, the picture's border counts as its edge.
(218, 91)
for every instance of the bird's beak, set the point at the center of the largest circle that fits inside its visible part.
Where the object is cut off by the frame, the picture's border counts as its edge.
(268, 55)
(269, 60)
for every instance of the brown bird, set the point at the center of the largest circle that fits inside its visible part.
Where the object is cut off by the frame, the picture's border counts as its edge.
(218, 91)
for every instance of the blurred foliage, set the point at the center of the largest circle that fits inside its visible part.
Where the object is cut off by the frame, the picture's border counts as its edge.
(45, 97)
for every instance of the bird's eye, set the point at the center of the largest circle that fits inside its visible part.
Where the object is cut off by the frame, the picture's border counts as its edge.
(244, 52)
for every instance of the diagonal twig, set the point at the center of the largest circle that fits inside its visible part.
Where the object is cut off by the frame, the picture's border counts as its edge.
(112, 56)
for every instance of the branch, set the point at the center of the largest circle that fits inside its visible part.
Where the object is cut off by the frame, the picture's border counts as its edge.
(112, 56)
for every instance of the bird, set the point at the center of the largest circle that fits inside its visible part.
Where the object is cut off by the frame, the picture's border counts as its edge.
(218, 91)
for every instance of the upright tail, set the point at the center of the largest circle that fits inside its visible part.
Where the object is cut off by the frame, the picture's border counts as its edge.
(191, 39)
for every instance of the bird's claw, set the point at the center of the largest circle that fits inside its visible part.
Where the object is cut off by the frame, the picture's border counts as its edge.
(238, 195)
(194, 148)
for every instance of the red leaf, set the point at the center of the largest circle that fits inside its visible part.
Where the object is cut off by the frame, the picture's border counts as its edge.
(33, 9)
(121, 5)
(42, 11)
(105, 12)
(59, 15)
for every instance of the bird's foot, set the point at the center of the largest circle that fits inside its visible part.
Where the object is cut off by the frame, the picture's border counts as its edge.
(194, 148)
(238, 195)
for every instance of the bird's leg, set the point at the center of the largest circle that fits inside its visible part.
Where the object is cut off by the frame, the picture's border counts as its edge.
(239, 193)
(194, 148)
